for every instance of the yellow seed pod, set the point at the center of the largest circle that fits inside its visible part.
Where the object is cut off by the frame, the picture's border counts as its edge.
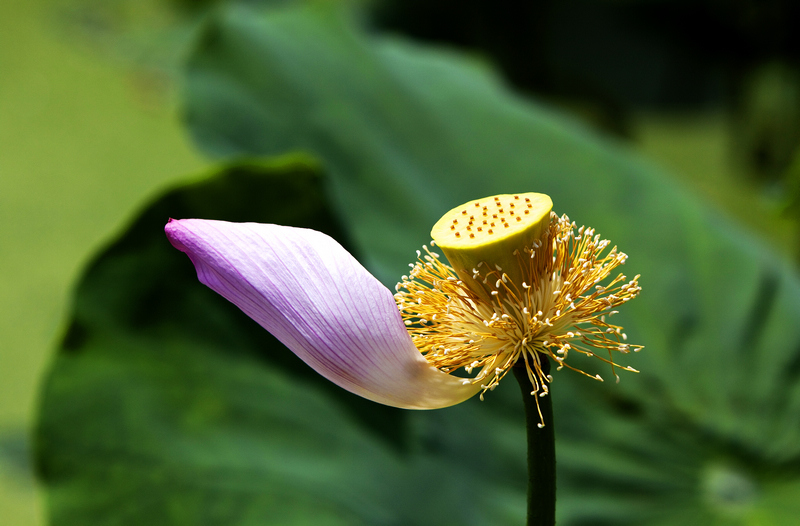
(492, 231)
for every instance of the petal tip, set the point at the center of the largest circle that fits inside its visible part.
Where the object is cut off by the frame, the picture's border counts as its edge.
(173, 230)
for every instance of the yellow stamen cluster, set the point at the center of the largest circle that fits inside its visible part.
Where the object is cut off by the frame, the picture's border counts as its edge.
(554, 304)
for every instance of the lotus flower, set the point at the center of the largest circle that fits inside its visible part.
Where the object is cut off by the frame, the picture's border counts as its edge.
(521, 287)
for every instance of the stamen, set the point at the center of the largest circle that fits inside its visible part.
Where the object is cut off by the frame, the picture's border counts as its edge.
(458, 325)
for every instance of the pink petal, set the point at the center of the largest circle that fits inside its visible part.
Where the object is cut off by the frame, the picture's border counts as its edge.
(309, 292)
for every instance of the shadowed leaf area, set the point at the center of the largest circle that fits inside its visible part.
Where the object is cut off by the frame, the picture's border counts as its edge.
(166, 406)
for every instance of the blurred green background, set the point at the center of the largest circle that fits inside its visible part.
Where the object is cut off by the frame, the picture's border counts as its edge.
(92, 100)
(83, 141)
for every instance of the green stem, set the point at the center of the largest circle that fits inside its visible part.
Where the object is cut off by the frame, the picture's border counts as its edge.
(541, 450)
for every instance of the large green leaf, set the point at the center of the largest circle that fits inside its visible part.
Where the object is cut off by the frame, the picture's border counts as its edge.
(166, 405)
(408, 133)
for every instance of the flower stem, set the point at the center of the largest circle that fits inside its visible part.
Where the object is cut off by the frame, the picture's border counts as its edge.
(541, 450)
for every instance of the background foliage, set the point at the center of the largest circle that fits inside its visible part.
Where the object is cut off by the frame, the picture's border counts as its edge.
(164, 405)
